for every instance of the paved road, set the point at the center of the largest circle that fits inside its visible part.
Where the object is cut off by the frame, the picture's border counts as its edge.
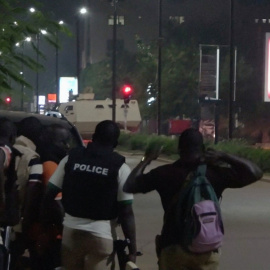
(246, 214)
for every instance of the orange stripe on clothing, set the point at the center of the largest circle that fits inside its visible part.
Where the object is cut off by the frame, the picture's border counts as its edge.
(49, 168)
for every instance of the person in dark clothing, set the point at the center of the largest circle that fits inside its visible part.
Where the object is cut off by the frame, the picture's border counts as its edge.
(223, 171)
(29, 180)
(7, 173)
(7, 138)
(91, 180)
(53, 147)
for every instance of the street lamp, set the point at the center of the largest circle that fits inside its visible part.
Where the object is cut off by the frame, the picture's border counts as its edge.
(44, 32)
(21, 44)
(56, 66)
(82, 11)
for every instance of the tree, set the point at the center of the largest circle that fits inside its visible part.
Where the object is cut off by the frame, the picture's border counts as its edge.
(17, 24)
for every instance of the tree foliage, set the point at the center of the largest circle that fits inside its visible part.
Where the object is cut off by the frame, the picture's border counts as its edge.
(17, 23)
(180, 74)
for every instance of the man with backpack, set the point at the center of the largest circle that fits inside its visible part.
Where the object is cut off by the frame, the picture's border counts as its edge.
(189, 188)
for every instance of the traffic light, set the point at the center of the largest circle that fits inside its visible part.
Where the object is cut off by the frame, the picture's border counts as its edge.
(8, 100)
(127, 91)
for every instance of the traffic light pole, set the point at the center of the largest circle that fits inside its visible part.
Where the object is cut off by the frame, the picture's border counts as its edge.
(125, 116)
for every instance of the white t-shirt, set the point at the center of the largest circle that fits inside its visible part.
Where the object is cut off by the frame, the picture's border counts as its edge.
(100, 228)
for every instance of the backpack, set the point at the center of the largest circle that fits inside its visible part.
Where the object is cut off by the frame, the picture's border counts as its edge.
(198, 218)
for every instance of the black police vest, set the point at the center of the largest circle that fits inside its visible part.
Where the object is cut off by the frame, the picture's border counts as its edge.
(90, 184)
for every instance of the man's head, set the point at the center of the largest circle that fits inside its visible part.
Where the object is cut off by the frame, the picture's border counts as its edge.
(31, 128)
(8, 131)
(191, 146)
(107, 133)
(57, 136)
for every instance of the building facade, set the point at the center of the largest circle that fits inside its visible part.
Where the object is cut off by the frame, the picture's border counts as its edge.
(135, 19)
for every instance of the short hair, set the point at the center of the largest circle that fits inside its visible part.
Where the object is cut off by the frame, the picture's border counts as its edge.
(107, 132)
(7, 129)
(48, 132)
(190, 139)
(31, 128)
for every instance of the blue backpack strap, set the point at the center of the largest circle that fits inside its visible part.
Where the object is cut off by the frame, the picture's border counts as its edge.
(201, 170)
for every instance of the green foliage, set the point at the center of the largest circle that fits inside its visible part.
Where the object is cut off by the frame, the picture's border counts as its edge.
(180, 73)
(142, 142)
(98, 77)
(17, 24)
(236, 147)
(241, 148)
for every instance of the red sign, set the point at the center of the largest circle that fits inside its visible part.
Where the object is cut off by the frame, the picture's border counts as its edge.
(176, 127)
(52, 98)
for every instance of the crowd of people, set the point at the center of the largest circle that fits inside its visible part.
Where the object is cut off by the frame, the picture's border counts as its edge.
(62, 206)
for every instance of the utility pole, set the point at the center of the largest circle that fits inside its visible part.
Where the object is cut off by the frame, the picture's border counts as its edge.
(37, 74)
(56, 70)
(22, 84)
(78, 50)
(232, 72)
(160, 39)
(114, 61)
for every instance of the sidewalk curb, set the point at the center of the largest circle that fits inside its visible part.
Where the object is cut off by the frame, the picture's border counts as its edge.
(265, 178)
(160, 158)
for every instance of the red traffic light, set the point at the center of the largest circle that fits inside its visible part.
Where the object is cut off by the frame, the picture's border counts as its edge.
(8, 100)
(127, 92)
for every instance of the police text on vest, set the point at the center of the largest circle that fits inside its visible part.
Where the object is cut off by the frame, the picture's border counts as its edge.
(89, 168)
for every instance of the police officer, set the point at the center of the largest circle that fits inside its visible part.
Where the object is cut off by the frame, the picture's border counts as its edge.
(91, 180)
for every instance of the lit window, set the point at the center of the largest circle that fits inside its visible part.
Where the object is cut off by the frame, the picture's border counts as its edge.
(177, 19)
(68, 108)
(120, 20)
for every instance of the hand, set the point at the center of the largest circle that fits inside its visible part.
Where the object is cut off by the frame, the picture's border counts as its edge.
(212, 156)
(152, 152)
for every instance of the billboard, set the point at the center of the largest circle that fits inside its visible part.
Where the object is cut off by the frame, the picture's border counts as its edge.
(209, 72)
(267, 68)
(67, 85)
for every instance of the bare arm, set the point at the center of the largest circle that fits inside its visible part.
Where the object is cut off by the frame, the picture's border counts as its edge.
(247, 171)
(127, 221)
(152, 154)
(48, 206)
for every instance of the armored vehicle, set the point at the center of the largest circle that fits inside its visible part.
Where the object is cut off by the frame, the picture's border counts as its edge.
(86, 112)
